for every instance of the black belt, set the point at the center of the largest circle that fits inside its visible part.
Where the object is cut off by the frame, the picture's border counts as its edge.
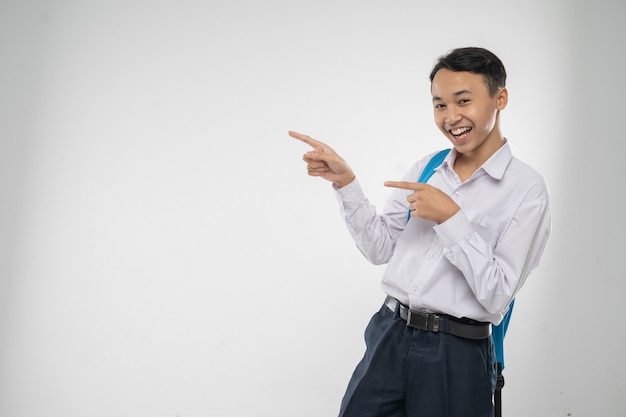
(467, 328)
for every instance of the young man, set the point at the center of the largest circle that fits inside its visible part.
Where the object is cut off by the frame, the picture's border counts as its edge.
(475, 232)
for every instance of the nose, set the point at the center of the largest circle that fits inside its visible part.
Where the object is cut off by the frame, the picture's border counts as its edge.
(452, 115)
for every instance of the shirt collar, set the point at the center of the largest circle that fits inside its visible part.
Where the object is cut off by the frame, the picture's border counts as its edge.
(494, 166)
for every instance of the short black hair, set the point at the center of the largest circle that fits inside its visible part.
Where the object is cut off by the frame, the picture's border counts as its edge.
(477, 61)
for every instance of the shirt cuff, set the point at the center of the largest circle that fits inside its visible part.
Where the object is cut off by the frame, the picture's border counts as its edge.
(350, 195)
(454, 230)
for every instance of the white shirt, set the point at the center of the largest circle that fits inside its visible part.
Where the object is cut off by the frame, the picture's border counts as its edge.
(473, 264)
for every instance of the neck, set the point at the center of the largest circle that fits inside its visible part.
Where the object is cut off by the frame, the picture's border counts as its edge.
(467, 163)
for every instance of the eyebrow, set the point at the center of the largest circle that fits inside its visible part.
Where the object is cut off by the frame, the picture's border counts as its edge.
(458, 93)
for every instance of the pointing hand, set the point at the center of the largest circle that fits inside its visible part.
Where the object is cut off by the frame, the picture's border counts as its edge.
(323, 161)
(427, 202)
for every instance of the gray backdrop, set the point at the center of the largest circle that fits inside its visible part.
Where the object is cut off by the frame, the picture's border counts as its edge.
(163, 252)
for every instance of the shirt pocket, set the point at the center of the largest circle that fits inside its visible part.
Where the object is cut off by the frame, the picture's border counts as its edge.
(489, 228)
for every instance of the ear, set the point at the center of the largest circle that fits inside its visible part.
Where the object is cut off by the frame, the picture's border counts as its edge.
(502, 98)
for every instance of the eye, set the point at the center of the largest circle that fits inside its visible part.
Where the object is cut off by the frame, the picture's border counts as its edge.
(440, 106)
(464, 101)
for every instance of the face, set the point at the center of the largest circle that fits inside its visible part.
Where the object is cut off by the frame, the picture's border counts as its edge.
(466, 113)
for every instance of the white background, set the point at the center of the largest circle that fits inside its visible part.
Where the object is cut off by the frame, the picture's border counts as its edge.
(163, 252)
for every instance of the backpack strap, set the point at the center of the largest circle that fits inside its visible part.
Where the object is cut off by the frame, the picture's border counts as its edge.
(429, 169)
(434, 162)
(498, 332)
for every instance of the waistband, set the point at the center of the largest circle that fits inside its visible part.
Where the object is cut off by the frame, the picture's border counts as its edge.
(462, 327)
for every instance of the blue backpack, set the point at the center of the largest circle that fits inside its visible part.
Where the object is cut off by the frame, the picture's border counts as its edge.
(497, 332)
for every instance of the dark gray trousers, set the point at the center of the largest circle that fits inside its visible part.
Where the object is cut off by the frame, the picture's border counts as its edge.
(407, 372)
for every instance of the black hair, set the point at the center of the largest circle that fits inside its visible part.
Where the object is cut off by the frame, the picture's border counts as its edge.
(477, 61)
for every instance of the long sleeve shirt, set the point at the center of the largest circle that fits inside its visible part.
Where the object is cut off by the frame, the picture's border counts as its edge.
(471, 265)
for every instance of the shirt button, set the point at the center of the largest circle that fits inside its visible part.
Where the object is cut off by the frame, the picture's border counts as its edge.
(457, 194)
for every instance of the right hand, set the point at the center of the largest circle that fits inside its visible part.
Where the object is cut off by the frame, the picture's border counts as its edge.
(324, 162)
(427, 202)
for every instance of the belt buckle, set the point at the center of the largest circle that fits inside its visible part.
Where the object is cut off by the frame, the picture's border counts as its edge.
(429, 319)
(436, 320)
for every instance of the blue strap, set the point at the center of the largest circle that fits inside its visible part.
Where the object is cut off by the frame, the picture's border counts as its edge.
(498, 332)
(429, 169)
(434, 162)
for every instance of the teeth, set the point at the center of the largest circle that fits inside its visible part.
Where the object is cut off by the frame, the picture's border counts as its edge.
(459, 131)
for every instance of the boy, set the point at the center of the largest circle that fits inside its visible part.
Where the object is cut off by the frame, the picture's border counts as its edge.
(475, 232)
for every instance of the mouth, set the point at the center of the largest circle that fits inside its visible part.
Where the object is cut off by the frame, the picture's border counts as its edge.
(460, 133)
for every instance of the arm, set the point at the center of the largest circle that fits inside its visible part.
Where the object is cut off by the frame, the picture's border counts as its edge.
(496, 275)
(494, 272)
(373, 234)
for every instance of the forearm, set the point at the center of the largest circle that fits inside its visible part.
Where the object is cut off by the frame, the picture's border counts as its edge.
(375, 235)
(495, 271)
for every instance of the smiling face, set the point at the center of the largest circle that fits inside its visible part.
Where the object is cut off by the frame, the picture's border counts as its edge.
(467, 114)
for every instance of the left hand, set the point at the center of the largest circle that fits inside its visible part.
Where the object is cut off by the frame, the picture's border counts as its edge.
(427, 202)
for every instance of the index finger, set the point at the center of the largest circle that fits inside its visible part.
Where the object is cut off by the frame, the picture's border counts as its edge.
(304, 138)
(405, 185)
